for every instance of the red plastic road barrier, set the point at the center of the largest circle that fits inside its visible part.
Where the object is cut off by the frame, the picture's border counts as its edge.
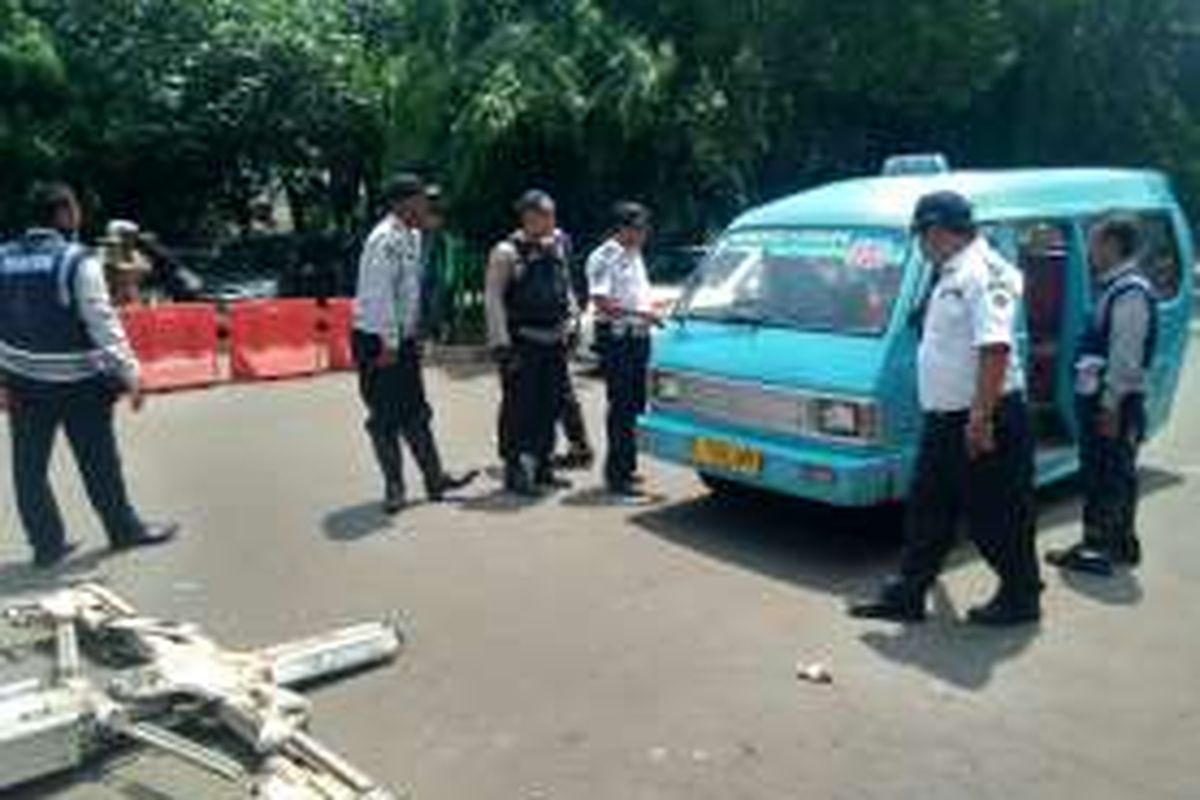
(176, 344)
(273, 339)
(339, 319)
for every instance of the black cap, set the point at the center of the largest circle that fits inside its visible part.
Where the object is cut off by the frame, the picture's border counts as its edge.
(628, 214)
(403, 186)
(534, 200)
(948, 210)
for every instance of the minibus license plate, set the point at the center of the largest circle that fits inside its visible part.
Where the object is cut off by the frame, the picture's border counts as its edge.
(726, 456)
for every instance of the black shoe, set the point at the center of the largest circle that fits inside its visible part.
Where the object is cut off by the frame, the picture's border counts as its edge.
(393, 500)
(552, 482)
(518, 481)
(151, 535)
(1127, 552)
(628, 490)
(575, 459)
(1003, 612)
(451, 483)
(889, 610)
(49, 559)
(1083, 558)
(896, 603)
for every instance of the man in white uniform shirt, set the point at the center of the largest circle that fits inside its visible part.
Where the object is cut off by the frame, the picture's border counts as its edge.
(976, 450)
(620, 290)
(387, 350)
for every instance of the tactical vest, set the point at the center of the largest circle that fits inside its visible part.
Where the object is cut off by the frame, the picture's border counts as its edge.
(538, 296)
(1098, 334)
(42, 336)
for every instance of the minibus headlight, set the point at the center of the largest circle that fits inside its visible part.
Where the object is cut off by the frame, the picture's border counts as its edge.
(665, 387)
(846, 419)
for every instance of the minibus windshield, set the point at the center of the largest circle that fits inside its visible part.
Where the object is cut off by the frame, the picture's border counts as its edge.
(835, 280)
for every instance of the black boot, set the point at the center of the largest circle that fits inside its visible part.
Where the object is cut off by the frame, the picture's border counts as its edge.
(391, 466)
(519, 479)
(1017, 602)
(897, 602)
(576, 458)
(150, 535)
(49, 558)
(1084, 557)
(437, 481)
(1007, 610)
(545, 478)
(1126, 551)
(393, 499)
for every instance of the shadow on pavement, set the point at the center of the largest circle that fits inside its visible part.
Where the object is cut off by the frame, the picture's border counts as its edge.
(953, 652)
(356, 522)
(21, 578)
(843, 551)
(500, 501)
(840, 551)
(600, 497)
(1122, 589)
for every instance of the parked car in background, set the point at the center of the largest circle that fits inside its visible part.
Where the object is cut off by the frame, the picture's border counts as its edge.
(275, 265)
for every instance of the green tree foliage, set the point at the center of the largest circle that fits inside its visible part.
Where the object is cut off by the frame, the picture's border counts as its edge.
(179, 111)
(185, 108)
(32, 87)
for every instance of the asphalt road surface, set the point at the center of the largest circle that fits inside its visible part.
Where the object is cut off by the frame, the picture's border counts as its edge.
(581, 650)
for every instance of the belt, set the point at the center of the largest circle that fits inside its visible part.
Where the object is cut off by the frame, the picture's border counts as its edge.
(541, 335)
(965, 413)
(630, 325)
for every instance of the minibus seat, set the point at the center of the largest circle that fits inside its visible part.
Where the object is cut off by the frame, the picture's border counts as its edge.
(1045, 290)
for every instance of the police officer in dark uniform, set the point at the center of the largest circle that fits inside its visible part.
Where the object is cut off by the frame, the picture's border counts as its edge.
(530, 310)
(1114, 357)
(64, 362)
(976, 450)
(579, 454)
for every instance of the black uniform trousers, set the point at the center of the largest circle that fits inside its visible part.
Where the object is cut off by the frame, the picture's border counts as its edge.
(571, 413)
(994, 493)
(531, 402)
(84, 411)
(1108, 469)
(627, 357)
(396, 406)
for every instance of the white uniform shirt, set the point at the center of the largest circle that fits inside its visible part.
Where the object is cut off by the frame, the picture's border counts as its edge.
(618, 274)
(388, 300)
(1124, 370)
(975, 304)
(103, 323)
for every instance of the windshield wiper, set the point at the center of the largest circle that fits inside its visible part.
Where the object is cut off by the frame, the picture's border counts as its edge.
(733, 318)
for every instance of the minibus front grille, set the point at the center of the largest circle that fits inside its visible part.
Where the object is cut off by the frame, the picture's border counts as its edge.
(756, 406)
(739, 403)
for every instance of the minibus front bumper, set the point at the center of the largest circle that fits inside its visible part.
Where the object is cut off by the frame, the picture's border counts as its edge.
(807, 470)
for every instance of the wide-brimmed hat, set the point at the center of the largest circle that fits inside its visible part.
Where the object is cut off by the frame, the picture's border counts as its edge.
(118, 248)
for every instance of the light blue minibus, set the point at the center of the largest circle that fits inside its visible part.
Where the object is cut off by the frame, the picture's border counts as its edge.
(789, 365)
